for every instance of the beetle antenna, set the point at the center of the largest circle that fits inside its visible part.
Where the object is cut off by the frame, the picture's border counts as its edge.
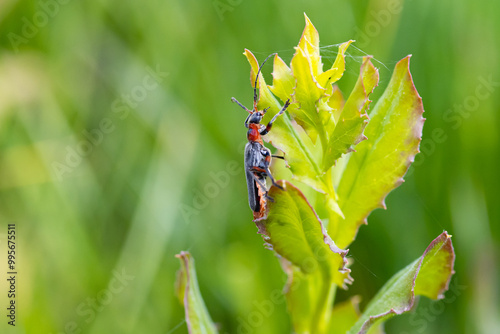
(256, 79)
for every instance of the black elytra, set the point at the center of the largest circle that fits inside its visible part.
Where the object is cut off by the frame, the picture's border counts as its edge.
(257, 156)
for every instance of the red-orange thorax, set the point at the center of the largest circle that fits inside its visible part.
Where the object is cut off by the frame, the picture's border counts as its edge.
(253, 133)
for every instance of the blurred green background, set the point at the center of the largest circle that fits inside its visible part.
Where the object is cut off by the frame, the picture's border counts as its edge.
(120, 147)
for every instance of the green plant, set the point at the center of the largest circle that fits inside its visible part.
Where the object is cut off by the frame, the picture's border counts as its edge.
(310, 235)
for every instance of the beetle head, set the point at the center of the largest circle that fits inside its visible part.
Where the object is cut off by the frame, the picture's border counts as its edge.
(256, 116)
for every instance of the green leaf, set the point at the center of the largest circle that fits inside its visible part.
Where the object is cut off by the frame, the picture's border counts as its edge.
(309, 42)
(307, 93)
(353, 118)
(332, 102)
(336, 102)
(394, 133)
(335, 73)
(428, 276)
(197, 318)
(283, 86)
(331, 109)
(311, 259)
(283, 80)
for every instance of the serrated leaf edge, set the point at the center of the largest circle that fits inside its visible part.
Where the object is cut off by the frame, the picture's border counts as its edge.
(446, 243)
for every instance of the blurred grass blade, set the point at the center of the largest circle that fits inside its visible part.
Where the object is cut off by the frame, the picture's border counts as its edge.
(394, 133)
(197, 318)
(428, 276)
(314, 264)
(353, 118)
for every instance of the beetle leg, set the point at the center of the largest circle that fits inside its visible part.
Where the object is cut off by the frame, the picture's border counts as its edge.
(268, 172)
(269, 198)
(260, 182)
(270, 124)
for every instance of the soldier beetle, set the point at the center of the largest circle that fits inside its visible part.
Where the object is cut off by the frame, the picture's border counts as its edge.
(257, 156)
